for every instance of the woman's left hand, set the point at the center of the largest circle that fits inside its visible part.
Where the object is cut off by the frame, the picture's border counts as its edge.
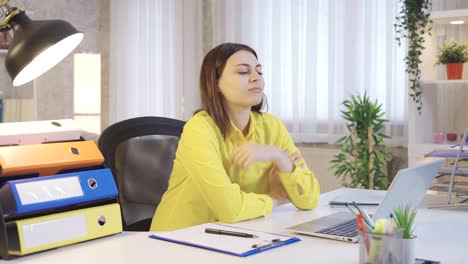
(296, 158)
(277, 192)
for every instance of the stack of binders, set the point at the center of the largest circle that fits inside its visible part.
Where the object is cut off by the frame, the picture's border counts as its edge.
(52, 194)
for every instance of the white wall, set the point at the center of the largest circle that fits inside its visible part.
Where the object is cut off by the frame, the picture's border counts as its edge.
(53, 95)
(318, 159)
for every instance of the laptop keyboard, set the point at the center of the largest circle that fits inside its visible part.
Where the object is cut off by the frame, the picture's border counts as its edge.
(348, 228)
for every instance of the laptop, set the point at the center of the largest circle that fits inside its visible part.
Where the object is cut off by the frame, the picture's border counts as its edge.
(409, 186)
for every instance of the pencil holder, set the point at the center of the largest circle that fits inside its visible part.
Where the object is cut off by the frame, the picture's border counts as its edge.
(377, 248)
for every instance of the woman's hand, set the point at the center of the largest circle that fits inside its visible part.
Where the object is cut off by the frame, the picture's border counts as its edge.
(296, 158)
(249, 153)
(277, 192)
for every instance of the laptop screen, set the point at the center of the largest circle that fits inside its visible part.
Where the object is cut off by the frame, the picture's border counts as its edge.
(408, 188)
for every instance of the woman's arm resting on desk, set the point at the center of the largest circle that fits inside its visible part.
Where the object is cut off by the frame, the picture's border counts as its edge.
(301, 185)
(249, 153)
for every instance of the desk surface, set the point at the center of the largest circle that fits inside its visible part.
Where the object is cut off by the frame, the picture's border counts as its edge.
(441, 236)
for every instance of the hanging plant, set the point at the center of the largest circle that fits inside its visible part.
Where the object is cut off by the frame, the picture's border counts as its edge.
(412, 24)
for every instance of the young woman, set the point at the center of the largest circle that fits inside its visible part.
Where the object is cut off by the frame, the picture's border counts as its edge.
(233, 162)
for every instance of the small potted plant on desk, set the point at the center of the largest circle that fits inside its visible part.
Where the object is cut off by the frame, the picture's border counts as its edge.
(404, 219)
(453, 55)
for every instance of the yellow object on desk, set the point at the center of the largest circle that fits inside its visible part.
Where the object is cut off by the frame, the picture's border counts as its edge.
(56, 230)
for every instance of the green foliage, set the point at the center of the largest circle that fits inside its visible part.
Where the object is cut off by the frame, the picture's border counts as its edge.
(411, 24)
(360, 164)
(452, 53)
(404, 219)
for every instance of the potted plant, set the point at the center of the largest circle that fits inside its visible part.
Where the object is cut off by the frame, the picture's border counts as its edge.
(404, 219)
(361, 161)
(412, 23)
(453, 55)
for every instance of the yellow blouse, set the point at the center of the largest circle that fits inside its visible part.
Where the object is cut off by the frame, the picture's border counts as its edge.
(206, 187)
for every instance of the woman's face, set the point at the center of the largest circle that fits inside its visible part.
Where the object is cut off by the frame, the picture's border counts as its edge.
(241, 82)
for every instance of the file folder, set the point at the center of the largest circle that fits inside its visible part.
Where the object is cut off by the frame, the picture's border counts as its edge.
(197, 236)
(48, 159)
(51, 231)
(58, 191)
(37, 132)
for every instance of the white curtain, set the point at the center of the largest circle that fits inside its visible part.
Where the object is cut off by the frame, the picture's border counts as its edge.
(317, 53)
(155, 54)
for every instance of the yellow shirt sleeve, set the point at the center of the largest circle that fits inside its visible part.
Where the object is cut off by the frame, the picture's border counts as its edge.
(301, 185)
(200, 153)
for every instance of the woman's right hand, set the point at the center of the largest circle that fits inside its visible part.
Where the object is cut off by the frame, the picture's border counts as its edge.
(277, 192)
(249, 153)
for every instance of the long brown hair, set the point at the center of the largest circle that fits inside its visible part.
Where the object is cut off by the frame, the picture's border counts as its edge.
(211, 98)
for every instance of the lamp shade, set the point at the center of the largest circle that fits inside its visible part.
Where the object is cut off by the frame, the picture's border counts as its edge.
(37, 46)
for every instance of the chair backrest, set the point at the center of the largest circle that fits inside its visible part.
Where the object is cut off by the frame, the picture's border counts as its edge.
(140, 152)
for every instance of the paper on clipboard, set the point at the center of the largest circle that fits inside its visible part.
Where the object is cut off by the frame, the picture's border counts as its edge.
(239, 246)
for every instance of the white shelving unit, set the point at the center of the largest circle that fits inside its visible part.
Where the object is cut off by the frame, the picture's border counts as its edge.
(444, 104)
(444, 101)
(445, 16)
(439, 82)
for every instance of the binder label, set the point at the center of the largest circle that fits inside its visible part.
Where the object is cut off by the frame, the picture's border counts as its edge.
(51, 190)
(48, 232)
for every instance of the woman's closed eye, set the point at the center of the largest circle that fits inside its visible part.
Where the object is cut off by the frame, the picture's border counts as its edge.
(245, 73)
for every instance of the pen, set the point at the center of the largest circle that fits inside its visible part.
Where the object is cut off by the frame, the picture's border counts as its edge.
(369, 219)
(362, 227)
(364, 214)
(351, 209)
(273, 242)
(227, 233)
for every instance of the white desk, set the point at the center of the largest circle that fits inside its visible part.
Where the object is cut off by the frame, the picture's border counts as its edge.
(442, 235)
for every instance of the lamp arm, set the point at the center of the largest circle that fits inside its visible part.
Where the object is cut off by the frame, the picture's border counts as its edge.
(6, 5)
(11, 12)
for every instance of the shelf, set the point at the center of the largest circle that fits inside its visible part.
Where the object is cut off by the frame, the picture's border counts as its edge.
(437, 82)
(460, 171)
(445, 16)
(425, 148)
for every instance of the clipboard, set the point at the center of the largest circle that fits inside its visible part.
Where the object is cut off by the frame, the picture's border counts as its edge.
(195, 236)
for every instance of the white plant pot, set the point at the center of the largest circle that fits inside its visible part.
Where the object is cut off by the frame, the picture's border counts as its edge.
(408, 247)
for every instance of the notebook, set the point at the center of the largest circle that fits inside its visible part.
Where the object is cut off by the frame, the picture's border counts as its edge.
(196, 236)
(409, 186)
(360, 196)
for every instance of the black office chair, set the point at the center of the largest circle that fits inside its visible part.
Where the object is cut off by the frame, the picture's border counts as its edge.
(140, 152)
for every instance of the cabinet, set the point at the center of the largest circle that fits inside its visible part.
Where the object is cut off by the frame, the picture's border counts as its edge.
(445, 102)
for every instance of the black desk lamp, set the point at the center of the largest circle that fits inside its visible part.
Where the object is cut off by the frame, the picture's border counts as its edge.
(37, 46)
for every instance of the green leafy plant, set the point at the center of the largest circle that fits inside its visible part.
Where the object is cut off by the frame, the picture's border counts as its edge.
(452, 53)
(404, 219)
(411, 24)
(360, 163)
